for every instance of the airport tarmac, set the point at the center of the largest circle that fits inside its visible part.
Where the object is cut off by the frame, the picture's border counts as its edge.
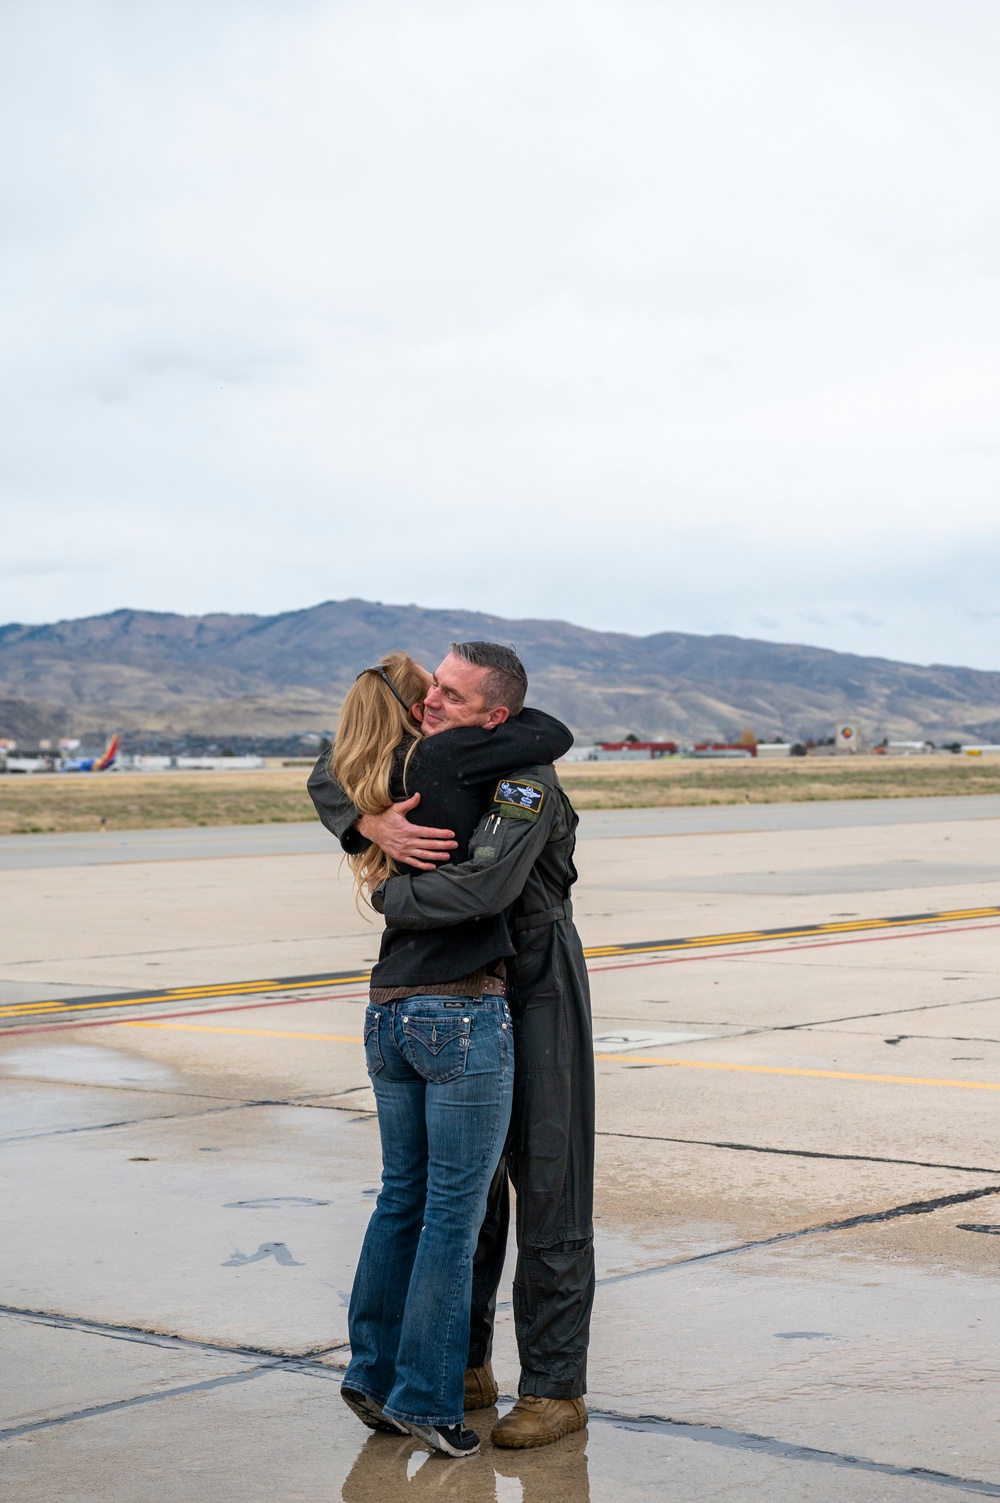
(798, 1204)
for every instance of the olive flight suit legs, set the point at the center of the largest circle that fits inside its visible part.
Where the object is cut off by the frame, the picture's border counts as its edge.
(487, 1266)
(550, 1160)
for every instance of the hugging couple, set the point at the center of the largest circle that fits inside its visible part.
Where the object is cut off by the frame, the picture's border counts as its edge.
(478, 1042)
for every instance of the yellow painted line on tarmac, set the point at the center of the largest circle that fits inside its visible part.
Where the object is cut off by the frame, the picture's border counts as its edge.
(702, 1064)
(16, 1009)
(684, 1064)
(810, 931)
(45, 1010)
(183, 994)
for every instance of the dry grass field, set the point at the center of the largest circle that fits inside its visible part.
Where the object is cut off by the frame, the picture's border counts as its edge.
(55, 803)
(641, 785)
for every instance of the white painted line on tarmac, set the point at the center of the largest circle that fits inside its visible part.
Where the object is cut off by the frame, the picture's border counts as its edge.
(629, 1039)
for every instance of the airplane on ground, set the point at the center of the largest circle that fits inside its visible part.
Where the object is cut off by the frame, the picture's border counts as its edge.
(95, 764)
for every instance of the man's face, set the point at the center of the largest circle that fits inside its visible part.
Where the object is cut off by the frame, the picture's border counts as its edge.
(455, 698)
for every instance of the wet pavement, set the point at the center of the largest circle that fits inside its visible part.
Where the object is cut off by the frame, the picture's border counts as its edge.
(798, 1182)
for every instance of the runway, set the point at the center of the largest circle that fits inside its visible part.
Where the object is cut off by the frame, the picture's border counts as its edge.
(31, 852)
(798, 1171)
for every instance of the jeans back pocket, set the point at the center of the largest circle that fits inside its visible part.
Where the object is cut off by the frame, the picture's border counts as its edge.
(437, 1046)
(373, 1050)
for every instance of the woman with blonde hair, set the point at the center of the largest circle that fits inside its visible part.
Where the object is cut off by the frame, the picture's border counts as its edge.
(440, 1053)
(376, 738)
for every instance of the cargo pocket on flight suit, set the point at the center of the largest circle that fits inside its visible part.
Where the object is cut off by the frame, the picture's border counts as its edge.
(438, 1048)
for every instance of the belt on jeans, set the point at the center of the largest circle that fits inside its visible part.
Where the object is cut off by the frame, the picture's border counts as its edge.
(497, 989)
(493, 986)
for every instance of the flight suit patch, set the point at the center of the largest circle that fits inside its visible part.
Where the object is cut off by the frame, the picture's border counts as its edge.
(519, 799)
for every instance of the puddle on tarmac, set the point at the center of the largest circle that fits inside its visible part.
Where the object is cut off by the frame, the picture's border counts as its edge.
(85, 1064)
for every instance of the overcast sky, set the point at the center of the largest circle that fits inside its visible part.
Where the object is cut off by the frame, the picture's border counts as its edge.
(670, 315)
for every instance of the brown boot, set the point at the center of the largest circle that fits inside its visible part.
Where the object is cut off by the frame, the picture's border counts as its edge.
(534, 1421)
(481, 1390)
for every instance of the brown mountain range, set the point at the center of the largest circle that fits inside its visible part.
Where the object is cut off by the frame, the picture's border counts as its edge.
(277, 675)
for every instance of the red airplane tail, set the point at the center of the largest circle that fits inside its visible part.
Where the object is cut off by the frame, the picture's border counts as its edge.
(108, 756)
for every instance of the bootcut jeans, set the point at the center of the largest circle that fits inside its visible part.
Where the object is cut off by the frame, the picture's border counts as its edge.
(443, 1070)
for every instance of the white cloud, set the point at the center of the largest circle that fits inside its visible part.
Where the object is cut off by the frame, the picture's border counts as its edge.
(665, 315)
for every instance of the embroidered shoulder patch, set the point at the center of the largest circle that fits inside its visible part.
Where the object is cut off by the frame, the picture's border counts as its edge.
(521, 799)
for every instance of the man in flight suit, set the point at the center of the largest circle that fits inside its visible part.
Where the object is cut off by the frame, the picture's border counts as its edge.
(520, 863)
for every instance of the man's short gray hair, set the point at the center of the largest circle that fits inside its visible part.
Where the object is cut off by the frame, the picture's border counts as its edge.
(506, 682)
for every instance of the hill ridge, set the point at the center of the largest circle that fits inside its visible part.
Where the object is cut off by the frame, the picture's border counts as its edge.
(242, 673)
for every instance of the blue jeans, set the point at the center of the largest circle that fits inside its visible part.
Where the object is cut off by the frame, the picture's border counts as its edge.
(443, 1072)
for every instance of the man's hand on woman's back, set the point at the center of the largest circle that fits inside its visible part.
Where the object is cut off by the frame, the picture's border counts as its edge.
(417, 845)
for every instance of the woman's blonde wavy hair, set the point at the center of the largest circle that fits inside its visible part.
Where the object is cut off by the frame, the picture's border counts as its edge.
(373, 723)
